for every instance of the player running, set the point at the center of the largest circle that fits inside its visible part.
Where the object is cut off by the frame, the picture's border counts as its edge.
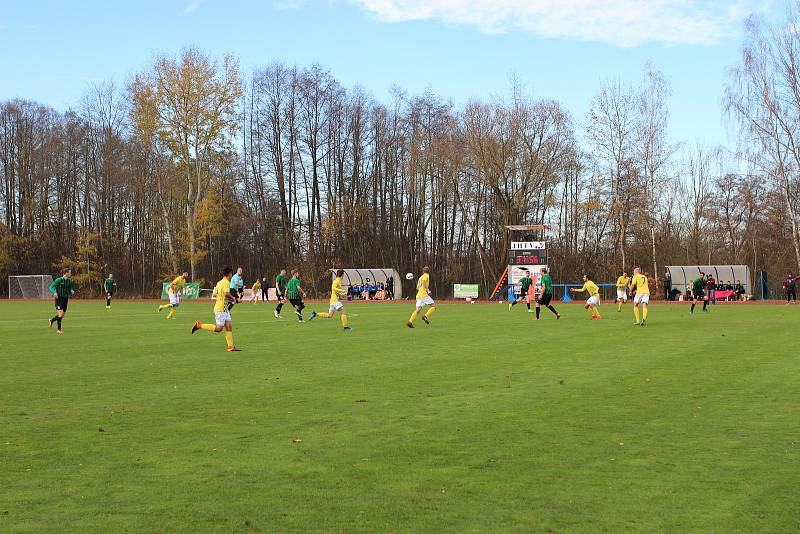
(698, 292)
(335, 303)
(623, 283)
(545, 294)
(62, 289)
(222, 316)
(524, 283)
(640, 286)
(295, 294)
(174, 292)
(423, 298)
(593, 302)
(280, 290)
(109, 285)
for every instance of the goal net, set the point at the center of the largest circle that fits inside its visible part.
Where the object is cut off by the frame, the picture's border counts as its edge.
(29, 286)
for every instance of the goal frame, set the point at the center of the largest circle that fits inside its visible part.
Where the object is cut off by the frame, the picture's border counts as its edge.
(44, 292)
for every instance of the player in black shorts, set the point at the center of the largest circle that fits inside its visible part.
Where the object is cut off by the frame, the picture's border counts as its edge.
(546, 294)
(525, 284)
(62, 289)
(280, 291)
(698, 292)
(109, 285)
(295, 294)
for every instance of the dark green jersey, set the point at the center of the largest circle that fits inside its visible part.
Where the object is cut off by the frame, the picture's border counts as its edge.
(293, 288)
(109, 284)
(61, 286)
(280, 284)
(547, 283)
(698, 286)
(525, 282)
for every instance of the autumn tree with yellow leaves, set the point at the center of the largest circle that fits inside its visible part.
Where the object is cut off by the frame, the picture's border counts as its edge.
(188, 108)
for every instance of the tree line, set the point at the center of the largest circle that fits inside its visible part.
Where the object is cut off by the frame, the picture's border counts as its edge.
(194, 165)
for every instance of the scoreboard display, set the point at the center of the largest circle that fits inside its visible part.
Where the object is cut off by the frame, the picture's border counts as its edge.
(528, 253)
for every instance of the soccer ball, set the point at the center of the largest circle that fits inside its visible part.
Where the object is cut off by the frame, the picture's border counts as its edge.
(409, 276)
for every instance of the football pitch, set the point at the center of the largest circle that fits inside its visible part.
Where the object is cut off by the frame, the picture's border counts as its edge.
(483, 421)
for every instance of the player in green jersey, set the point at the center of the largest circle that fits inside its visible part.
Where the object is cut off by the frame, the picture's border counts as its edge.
(295, 294)
(525, 284)
(546, 294)
(62, 289)
(280, 290)
(109, 285)
(699, 293)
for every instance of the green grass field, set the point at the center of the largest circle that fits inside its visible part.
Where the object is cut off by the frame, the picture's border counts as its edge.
(483, 421)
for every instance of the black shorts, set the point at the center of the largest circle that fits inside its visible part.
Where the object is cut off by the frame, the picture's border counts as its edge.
(699, 295)
(109, 294)
(544, 300)
(296, 302)
(523, 293)
(280, 296)
(62, 303)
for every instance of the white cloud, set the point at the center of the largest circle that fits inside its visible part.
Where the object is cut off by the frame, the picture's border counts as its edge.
(188, 8)
(625, 23)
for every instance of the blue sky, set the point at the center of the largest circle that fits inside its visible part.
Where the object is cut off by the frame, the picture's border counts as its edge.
(560, 49)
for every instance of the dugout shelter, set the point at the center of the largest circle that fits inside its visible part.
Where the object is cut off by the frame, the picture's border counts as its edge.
(365, 277)
(680, 277)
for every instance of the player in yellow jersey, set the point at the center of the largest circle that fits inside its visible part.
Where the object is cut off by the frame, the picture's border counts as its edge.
(623, 283)
(335, 304)
(174, 292)
(423, 298)
(640, 285)
(256, 290)
(593, 302)
(222, 315)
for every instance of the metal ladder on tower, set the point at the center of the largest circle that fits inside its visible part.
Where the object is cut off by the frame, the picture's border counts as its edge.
(501, 284)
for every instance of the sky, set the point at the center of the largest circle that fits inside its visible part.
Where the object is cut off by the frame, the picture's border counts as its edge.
(51, 51)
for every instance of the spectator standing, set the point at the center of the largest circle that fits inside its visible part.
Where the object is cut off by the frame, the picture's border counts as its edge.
(264, 289)
(390, 288)
(711, 287)
(790, 285)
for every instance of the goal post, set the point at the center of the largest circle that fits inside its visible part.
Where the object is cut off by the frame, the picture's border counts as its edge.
(29, 286)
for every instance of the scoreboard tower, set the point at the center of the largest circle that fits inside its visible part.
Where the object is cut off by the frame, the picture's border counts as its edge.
(530, 255)
(527, 251)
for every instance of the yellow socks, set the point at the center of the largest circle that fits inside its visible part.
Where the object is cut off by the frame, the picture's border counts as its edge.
(206, 326)
(171, 313)
(636, 313)
(619, 306)
(430, 312)
(229, 337)
(644, 312)
(345, 323)
(323, 314)
(164, 306)
(414, 316)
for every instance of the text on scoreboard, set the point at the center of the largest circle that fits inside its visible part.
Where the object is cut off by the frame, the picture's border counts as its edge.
(527, 253)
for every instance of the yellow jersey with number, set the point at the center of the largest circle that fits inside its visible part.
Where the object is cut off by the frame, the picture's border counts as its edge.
(177, 285)
(422, 286)
(336, 290)
(222, 288)
(640, 281)
(623, 282)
